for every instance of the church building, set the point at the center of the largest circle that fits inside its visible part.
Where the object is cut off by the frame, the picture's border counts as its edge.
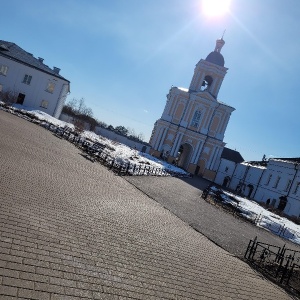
(191, 129)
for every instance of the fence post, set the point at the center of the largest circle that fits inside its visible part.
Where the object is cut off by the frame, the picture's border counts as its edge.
(112, 163)
(290, 274)
(290, 258)
(127, 169)
(253, 248)
(120, 170)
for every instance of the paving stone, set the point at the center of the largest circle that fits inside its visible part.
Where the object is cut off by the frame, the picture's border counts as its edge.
(8, 290)
(74, 230)
(32, 294)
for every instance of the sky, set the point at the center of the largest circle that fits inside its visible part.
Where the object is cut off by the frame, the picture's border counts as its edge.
(122, 57)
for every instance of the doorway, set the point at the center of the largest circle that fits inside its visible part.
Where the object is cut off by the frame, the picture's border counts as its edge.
(184, 154)
(226, 181)
(20, 98)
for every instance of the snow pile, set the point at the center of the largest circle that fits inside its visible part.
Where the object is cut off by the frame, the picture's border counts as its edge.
(45, 117)
(120, 152)
(266, 219)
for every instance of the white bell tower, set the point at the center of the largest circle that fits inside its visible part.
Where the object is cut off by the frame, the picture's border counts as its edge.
(191, 129)
(209, 73)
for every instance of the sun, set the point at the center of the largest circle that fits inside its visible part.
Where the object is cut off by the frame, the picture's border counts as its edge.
(215, 7)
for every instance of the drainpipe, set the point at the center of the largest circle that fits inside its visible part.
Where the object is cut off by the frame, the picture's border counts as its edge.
(296, 172)
(258, 183)
(236, 164)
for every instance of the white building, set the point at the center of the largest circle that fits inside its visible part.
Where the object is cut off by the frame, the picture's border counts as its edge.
(34, 84)
(275, 182)
(191, 129)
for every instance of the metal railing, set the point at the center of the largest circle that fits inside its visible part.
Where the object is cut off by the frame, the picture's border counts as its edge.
(102, 155)
(215, 197)
(279, 263)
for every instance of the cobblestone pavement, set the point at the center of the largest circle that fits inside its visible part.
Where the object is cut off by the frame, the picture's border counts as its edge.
(182, 198)
(71, 229)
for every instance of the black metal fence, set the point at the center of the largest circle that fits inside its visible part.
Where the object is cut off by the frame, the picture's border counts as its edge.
(100, 154)
(96, 152)
(216, 197)
(278, 263)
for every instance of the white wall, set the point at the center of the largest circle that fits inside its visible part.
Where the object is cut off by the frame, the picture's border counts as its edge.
(122, 139)
(36, 91)
(246, 174)
(226, 168)
(286, 171)
(111, 135)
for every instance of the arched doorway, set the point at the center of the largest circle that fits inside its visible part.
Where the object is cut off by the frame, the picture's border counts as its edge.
(282, 203)
(226, 181)
(250, 190)
(184, 155)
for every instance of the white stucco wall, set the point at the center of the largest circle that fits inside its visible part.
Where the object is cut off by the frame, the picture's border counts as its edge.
(265, 187)
(122, 139)
(35, 92)
(271, 188)
(225, 169)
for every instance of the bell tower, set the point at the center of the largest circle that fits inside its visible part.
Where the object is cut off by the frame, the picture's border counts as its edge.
(209, 73)
(191, 129)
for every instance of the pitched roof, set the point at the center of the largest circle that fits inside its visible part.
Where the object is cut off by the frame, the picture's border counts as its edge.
(290, 159)
(14, 52)
(232, 155)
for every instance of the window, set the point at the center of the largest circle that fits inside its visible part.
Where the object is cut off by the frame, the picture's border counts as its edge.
(269, 179)
(50, 87)
(276, 182)
(288, 185)
(207, 82)
(297, 187)
(196, 119)
(3, 70)
(27, 79)
(226, 169)
(1, 87)
(21, 98)
(44, 104)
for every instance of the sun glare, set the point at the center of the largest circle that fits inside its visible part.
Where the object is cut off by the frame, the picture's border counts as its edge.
(215, 7)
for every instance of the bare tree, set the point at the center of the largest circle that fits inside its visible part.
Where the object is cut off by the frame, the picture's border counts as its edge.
(9, 96)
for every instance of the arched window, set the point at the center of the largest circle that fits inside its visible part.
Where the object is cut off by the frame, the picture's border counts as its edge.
(207, 82)
(196, 119)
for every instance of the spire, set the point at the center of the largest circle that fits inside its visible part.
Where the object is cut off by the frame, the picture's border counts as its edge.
(219, 44)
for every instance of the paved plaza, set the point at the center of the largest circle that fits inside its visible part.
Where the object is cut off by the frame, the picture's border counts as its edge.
(71, 229)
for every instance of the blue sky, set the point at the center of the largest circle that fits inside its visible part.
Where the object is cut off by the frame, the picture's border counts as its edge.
(122, 57)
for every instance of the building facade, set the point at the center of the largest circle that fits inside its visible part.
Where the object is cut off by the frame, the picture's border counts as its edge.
(275, 182)
(191, 129)
(31, 83)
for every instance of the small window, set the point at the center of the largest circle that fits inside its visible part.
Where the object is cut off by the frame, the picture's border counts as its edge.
(44, 104)
(1, 87)
(27, 79)
(50, 87)
(269, 179)
(297, 187)
(196, 119)
(276, 182)
(288, 185)
(3, 70)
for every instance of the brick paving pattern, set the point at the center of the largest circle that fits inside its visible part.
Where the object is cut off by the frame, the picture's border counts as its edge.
(182, 198)
(71, 229)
